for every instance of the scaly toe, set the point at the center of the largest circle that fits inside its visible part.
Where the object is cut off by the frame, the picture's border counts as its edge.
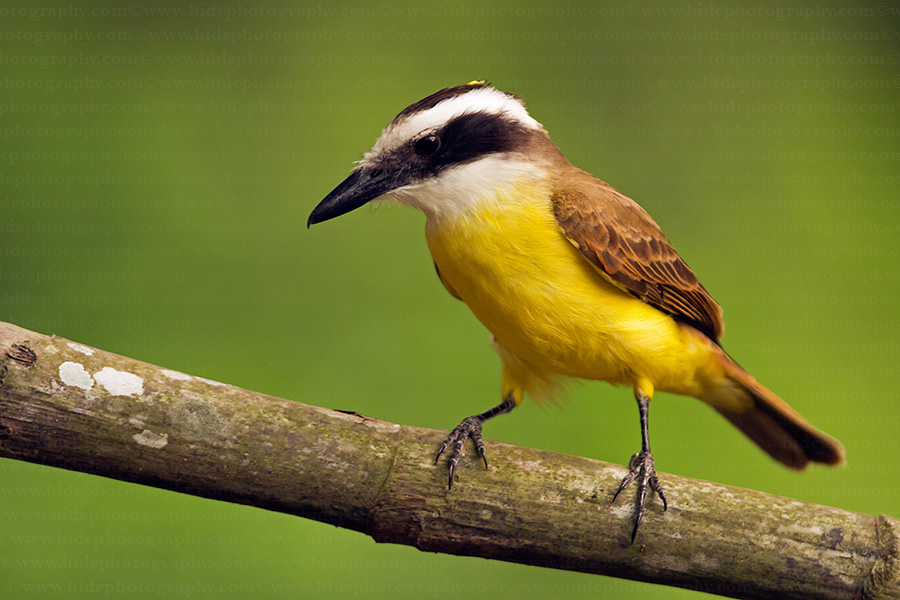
(641, 468)
(470, 427)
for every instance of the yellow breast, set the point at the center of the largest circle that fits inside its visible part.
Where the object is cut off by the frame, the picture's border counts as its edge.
(509, 261)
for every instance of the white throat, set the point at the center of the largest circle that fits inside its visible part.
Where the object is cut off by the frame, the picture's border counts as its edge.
(462, 189)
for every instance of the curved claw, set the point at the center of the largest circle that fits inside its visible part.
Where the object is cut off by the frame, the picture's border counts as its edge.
(471, 428)
(641, 467)
(468, 428)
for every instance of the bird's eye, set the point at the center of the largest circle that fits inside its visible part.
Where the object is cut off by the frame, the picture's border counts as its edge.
(426, 146)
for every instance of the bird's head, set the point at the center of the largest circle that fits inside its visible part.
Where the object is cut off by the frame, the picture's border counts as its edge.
(444, 153)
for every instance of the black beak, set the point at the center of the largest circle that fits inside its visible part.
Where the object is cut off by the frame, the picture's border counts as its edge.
(363, 185)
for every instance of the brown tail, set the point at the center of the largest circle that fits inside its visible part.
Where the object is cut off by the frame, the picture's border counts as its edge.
(775, 426)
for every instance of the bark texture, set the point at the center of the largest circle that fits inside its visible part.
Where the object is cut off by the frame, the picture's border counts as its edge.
(74, 407)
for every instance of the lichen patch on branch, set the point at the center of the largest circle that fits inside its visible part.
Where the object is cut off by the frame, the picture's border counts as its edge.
(119, 383)
(176, 375)
(73, 373)
(153, 440)
(81, 348)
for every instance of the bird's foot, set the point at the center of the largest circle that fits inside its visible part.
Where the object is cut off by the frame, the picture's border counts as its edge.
(641, 468)
(469, 428)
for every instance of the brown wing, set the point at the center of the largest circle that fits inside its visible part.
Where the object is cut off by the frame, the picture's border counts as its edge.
(622, 241)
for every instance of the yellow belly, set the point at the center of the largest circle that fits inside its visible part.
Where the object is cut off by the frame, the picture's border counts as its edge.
(549, 308)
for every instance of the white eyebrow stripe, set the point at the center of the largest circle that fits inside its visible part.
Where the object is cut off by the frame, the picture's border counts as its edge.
(486, 100)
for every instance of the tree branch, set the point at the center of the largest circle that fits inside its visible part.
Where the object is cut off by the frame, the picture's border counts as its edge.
(70, 406)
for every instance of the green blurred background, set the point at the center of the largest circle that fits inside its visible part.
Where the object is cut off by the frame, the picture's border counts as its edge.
(157, 165)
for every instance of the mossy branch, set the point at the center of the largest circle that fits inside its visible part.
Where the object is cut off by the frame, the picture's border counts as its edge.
(70, 406)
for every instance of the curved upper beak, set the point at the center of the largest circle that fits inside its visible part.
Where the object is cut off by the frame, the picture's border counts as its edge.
(363, 185)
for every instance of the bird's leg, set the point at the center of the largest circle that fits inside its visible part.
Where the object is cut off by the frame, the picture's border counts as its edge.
(471, 428)
(641, 465)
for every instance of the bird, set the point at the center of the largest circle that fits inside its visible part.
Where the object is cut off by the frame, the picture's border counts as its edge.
(572, 278)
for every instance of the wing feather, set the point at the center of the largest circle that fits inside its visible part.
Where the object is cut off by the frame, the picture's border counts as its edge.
(622, 241)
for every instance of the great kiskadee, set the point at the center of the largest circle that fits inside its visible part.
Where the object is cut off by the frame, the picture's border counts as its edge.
(571, 277)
